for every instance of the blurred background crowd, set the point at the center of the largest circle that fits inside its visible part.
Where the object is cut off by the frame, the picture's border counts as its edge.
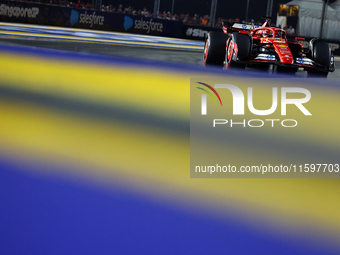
(196, 19)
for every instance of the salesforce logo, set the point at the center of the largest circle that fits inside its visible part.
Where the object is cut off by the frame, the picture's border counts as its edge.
(128, 22)
(74, 17)
(85, 18)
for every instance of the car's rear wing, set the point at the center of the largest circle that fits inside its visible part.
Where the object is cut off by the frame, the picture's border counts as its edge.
(244, 26)
(238, 26)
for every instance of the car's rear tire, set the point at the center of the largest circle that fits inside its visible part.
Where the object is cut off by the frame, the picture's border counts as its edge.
(214, 49)
(238, 47)
(321, 54)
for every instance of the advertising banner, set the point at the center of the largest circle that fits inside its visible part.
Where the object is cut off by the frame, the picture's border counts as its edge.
(11, 11)
(196, 32)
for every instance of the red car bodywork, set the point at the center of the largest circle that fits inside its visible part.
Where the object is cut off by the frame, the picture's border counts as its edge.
(271, 38)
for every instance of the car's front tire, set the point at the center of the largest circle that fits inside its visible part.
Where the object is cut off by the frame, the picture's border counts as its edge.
(238, 47)
(320, 52)
(214, 49)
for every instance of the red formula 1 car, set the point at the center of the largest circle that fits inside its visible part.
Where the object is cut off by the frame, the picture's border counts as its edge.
(247, 45)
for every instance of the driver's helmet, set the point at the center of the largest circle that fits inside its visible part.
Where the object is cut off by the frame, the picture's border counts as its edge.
(266, 33)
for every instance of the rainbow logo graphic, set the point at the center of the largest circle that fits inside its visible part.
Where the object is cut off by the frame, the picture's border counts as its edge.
(212, 89)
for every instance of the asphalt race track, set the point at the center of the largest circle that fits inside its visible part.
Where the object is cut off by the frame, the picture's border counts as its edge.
(174, 56)
(122, 45)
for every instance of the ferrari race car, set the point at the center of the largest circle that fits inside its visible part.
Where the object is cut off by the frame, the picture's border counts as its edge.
(241, 45)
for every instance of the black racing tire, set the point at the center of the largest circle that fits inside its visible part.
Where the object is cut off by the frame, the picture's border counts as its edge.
(321, 54)
(214, 49)
(243, 42)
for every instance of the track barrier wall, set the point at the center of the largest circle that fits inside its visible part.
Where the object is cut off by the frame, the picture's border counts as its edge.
(42, 14)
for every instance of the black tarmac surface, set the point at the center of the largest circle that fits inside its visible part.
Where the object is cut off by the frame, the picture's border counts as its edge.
(169, 55)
